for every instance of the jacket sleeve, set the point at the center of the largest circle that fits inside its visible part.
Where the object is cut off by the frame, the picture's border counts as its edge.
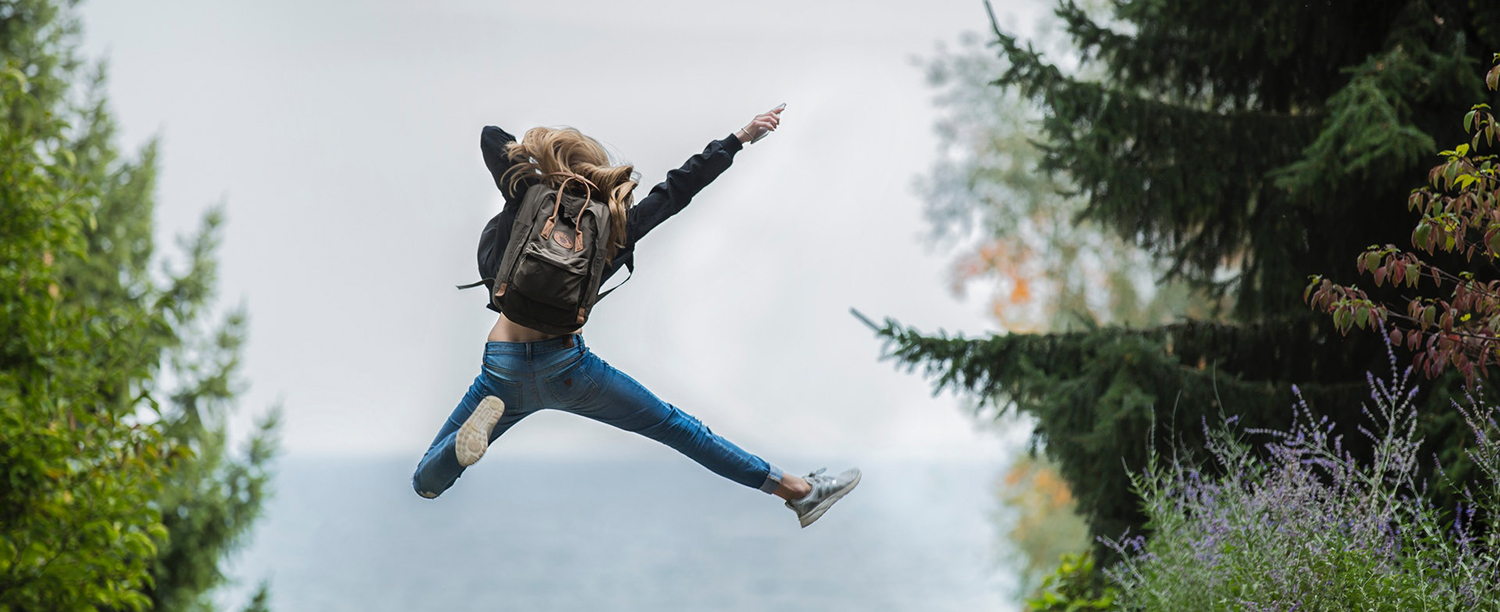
(492, 142)
(672, 195)
(496, 233)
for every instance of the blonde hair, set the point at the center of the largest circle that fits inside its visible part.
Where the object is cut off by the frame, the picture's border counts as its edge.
(543, 151)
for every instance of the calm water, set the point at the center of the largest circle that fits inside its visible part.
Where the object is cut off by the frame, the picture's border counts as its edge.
(639, 535)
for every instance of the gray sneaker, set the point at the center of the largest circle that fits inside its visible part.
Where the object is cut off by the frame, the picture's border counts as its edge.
(825, 491)
(474, 434)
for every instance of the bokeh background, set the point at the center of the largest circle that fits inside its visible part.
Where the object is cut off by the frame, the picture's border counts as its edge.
(341, 138)
(228, 323)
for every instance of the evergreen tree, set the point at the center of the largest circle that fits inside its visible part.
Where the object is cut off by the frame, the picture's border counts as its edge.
(1245, 147)
(1015, 226)
(1017, 232)
(115, 487)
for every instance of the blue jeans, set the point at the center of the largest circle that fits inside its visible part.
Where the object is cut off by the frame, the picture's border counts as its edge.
(563, 374)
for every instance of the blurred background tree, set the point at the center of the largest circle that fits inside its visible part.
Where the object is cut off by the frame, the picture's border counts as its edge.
(1018, 234)
(115, 373)
(1239, 148)
(1042, 519)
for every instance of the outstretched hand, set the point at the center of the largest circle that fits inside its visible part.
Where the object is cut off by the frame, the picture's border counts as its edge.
(761, 125)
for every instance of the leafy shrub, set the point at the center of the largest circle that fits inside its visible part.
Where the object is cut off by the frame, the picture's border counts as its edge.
(1298, 523)
(1074, 587)
(117, 491)
(1460, 211)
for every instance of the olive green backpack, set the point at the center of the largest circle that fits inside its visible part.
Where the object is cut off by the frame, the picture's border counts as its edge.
(548, 278)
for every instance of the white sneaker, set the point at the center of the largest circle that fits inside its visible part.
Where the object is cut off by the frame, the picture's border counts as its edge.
(474, 434)
(825, 491)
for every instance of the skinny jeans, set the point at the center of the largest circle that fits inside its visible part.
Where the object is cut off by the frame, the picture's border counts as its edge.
(563, 374)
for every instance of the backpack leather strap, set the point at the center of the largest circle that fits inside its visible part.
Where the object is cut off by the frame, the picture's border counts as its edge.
(588, 191)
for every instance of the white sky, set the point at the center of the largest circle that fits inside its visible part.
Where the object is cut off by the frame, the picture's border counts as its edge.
(343, 137)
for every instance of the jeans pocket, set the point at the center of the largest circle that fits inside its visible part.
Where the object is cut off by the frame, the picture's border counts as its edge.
(573, 385)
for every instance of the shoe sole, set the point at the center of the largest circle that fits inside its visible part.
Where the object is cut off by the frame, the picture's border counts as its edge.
(824, 505)
(474, 434)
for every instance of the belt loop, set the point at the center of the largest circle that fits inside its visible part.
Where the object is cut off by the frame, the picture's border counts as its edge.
(528, 352)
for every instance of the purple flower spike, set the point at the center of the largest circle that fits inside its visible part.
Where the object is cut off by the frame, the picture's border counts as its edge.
(1298, 521)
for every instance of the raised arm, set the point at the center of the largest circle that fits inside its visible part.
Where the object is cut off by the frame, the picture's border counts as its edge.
(672, 195)
(669, 197)
(492, 141)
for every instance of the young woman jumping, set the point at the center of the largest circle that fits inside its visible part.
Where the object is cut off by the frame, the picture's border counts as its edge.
(526, 370)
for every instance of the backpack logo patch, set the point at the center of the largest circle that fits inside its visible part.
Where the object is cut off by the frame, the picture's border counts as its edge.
(562, 240)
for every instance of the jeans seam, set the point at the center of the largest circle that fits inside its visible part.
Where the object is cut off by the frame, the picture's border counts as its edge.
(740, 454)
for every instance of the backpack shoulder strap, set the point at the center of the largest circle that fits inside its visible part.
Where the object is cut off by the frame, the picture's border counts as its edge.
(535, 191)
(629, 272)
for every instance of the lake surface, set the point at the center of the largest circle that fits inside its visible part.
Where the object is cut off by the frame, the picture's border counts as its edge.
(638, 535)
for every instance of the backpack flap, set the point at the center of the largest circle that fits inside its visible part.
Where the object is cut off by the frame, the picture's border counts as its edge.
(549, 279)
(549, 275)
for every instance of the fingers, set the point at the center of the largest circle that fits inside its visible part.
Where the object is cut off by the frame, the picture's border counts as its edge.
(764, 123)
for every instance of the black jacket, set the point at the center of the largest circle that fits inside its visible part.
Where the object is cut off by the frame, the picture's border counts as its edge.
(666, 199)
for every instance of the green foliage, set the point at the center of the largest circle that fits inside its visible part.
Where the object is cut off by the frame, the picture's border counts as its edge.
(117, 492)
(78, 526)
(1244, 147)
(1074, 587)
(1298, 522)
(1103, 399)
(210, 505)
(1199, 143)
(1050, 270)
(260, 602)
(1460, 208)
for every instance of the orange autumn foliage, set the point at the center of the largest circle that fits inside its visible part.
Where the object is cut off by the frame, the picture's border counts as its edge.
(1045, 524)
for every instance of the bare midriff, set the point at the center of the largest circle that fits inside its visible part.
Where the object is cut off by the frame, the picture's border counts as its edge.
(506, 330)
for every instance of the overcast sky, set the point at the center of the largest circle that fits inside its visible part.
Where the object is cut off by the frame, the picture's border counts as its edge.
(342, 137)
